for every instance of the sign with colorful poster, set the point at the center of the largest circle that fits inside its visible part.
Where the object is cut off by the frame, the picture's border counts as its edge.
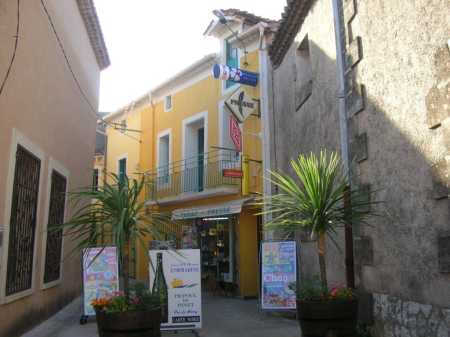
(100, 275)
(175, 276)
(279, 269)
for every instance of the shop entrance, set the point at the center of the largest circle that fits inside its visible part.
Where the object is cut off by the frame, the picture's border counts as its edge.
(214, 237)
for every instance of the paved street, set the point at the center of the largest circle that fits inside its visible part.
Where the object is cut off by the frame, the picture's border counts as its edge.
(223, 317)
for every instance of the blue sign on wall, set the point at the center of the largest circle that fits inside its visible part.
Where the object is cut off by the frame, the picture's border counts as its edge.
(226, 73)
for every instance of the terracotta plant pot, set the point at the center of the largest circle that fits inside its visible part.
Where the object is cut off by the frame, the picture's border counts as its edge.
(129, 323)
(337, 318)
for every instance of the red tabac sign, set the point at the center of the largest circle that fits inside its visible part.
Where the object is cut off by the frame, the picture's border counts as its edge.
(235, 133)
(233, 173)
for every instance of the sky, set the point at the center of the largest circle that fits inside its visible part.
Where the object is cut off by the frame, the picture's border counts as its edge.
(148, 41)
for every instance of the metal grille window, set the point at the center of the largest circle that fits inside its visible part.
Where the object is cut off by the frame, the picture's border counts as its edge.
(53, 249)
(22, 225)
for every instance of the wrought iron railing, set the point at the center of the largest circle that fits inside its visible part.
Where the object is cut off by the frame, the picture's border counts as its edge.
(194, 174)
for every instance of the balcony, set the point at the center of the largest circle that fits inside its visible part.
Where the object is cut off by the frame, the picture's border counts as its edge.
(205, 175)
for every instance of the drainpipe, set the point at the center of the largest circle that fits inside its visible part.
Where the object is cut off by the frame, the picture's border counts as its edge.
(265, 72)
(339, 30)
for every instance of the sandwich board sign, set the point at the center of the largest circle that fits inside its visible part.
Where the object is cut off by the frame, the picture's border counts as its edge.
(100, 275)
(241, 105)
(175, 276)
(278, 271)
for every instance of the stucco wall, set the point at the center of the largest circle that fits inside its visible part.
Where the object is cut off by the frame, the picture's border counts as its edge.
(124, 144)
(402, 62)
(42, 101)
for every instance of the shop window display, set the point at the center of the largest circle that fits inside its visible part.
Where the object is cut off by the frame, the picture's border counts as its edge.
(213, 236)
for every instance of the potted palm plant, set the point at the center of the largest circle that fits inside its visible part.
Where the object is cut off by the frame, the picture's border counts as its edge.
(312, 199)
(115, 211)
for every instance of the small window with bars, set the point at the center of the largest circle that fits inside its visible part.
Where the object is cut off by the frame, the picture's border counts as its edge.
(168, 103)
(53, 249)
(123, 126)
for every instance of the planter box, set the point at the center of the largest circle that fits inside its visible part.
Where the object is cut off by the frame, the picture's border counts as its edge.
(318, 319)
(129, 324)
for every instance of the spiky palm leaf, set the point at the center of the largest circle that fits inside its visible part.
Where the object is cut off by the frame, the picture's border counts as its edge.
(114, 211)
(313, 198)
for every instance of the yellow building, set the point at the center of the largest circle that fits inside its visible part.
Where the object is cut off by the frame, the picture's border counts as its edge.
(193, 166)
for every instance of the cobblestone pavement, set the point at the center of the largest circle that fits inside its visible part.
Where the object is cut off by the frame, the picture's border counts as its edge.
(222, 317)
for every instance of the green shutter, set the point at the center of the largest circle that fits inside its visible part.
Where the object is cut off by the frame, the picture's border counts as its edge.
(231, 60)
(122, 168)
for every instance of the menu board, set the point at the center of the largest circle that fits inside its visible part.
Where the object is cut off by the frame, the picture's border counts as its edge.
(100, 275)
(178, 283)
(279, 270)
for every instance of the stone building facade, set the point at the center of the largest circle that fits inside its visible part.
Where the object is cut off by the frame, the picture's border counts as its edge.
(397, 92)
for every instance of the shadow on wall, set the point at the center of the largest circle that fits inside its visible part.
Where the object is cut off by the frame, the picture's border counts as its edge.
(395, 152)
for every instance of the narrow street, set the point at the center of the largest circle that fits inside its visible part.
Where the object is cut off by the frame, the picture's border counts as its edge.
(222, 317)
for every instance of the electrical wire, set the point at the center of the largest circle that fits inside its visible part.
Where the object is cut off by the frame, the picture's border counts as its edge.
(14, 51)
(69, 66)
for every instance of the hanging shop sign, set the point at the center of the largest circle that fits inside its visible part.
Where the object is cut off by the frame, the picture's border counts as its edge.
(233, 173)
(100, 275)
(241, 105)
(235, 134)
(279, 272)
(175, 277)
(226, 73)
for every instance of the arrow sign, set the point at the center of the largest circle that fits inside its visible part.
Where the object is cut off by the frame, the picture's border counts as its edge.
(241, 105)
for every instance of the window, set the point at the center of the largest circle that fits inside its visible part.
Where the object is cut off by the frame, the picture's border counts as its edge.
(53, 249)
(123, 126)
(122, 172)
(168, 103)
(194, 146)
(95, 180)
(164, 158)
(303, 74)
(22, 227)
(232, 60)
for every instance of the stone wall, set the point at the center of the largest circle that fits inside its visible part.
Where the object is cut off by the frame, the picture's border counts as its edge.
(398, 99)
(310, 123)
(398, 318)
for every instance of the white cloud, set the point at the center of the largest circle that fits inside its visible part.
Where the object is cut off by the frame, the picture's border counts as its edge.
(149, 40)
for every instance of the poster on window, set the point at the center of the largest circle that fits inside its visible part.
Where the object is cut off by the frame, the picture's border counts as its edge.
(100, 275)
(278, 271)
(175, 277)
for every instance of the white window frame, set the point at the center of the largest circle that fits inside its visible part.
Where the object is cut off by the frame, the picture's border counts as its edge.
(161, 134)
(123, 125)
(98, 176)
(53, 165)
(223, 59)
(118, 159)
(190, 120)
(166, 107)
(20, 139)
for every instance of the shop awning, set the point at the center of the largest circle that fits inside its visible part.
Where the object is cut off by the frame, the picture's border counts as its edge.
(226, 208)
